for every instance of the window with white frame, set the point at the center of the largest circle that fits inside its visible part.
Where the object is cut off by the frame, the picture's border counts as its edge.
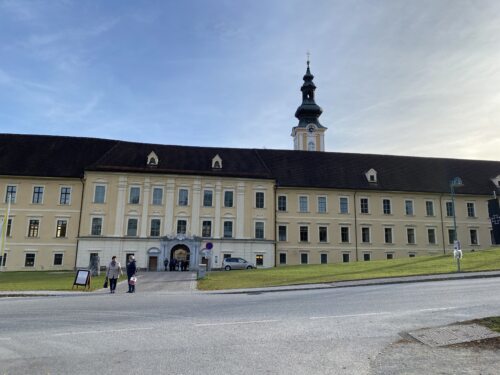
(132, 227)
(99, 193)
(33, 227)
(449, 209)
(135, 193)
(181, 226)
(323, 258)
(281, 232)
(409, 207)
(65, 195)
(429, 208)
(282, 203)
(96, 227)
(228, 198)
(206, 228)
(323, 233)
(345, 257)
(344, 234)
(386, 205)
(389, 256)
(29, 260)
(228, 229)
(431, 236)
(157, 196)
(61, 227)
(259, 230)
(322, 209)
(388, 235)
(155, 228)
(365, 234)
(304, 258)
(410, 235)
(473, 237)
(259, 259)
(363, 206)
(303, 203)
(282, 258)
(451, 236)
(367, 257)
(8, 232)
(259, 199)
(58, 259)
(183, 197)
(37, 195)
(471, 209)
(344, 205)
(11, 194)
(303, 233)
(208, 198)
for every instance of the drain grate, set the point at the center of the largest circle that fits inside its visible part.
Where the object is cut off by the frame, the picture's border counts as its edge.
(452, 334)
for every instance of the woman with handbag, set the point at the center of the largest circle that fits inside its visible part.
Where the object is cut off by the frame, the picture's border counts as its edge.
(113, 273)
(131, 271)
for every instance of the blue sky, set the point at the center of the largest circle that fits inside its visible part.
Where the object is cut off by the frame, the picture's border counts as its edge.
(394, 77)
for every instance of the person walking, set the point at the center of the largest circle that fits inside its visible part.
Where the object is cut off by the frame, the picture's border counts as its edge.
(113, 273)
(131, 271)
(165, 263)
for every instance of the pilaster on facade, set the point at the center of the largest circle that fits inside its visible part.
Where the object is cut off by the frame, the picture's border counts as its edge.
(145, 207)
(120, 205)
(169, 210)
(218, 200)
(195, 212)
(240, 210)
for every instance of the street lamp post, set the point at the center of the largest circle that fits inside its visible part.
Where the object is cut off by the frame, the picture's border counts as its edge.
(456, 182)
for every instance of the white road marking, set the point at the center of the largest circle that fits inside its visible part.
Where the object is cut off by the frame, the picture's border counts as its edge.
(5, 338)
(101, 331)
(382, 313)
(235, 323)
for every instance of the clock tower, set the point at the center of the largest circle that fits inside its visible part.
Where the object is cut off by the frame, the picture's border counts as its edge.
(309, 134)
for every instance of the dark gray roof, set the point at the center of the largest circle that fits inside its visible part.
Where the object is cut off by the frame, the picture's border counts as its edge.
(54, 156)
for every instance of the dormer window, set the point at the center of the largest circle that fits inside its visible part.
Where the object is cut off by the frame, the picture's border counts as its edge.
(152, 160)
(217, 162)
(496, 180)
(371, 176)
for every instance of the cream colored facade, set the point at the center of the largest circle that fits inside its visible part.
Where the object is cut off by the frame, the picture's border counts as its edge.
(349, 234)
(44, 219)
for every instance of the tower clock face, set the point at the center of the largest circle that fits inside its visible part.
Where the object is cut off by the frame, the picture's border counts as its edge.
(310, 129)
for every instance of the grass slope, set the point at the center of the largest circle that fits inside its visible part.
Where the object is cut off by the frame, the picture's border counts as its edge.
(43, 280)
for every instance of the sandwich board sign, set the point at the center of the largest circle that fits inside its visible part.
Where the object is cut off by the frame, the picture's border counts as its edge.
(82, 278)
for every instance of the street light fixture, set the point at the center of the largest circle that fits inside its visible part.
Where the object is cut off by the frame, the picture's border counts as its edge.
(456, 182)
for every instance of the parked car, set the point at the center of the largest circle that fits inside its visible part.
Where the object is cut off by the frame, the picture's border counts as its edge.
(236, 264)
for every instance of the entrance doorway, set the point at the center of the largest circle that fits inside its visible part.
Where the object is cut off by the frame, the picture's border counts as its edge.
(153, 263)
(181, 254)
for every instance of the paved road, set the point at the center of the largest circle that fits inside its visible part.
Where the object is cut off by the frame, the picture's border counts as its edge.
(337, 331)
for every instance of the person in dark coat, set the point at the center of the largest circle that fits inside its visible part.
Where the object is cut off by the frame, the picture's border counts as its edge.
(172, 264)
(165, 263)
(131, 271)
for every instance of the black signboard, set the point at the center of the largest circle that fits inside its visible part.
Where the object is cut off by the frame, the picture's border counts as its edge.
(82, 278)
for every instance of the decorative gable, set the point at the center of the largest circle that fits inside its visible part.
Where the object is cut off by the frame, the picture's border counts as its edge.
(152, 159)
(216, 162)
(371, 176)
(496, 181)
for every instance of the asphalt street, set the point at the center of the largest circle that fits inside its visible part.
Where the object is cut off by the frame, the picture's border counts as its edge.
(328, 331)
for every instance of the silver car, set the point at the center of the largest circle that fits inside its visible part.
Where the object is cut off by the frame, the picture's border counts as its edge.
(236, 264)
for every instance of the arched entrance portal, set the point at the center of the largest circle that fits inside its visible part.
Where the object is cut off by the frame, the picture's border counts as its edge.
(181, 254)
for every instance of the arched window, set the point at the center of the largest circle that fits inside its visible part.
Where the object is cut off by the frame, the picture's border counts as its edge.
(311, 146)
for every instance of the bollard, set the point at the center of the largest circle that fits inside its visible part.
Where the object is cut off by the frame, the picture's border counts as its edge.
(202, 271)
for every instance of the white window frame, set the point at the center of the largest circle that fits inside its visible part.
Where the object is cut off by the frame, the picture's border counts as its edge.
(390, 206)
(340, 205)
(211, 199)
(473, 209)
(318, 204)
(15, 196)
(369, 235)
(179, 197)
(70, 195)
(211, 227)
(130, 194)
(278, 204)
(263, 229)
(412, 205)
(102, 225)
(153, 195)
(361, 205)
(67, 226)
(151, 226)
(433, 209)
(286, 232)
(224, 229)
(392, 235)
(263, 199)
(136, 229)
(177, 225)
(224, 198)
(306, 199)
(414, 236)
(95, 193)
(477, 237)
(33, 194)
(319, 233)
(435, 236)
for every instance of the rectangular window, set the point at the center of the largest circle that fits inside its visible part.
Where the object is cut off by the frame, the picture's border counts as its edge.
(11, 193)
(386, 204)
(473, 237)
(33, 228)
(58, 259)
(344, 234)
(206, 228)
(471, 209)
(323, 234)
(344, 205)
(3, 259)
(282, 258)
(389, 256)
(431, 236)
(451, 236)
(61, 227)
(429, 208)
(65, 195)
(259, 199)
(367, 257)
(183, 197)
(410, 235)
(345, 258)
(8, 233)
(96, 226)
(208, 196)
(29, 260)
(324, 258)
(259, 230)
(411, 255)
(259, 260)
(157, 196)
(303, 233)
(132, 227)
(135, 193)
(388, 235)
(365, 234)
(282, 203)
(228, 229)
(409, 207)
(449, 209)
(99, 193)
(364, 208)
(155, 228)
(303, 204)
(228, 199)
(282, 233)
(322, 205)
(304, 258)
(181, 226)
(37, 195)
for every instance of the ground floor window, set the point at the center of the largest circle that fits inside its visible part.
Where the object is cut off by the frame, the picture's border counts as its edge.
(367, 257)
(324, 258)
(3, 259)
(389, 256)
(411, 255)
(29, 260)
(304, 258)
(259, 260)
(58, 259)
(345, 258)
(282, 258)
(225, 256)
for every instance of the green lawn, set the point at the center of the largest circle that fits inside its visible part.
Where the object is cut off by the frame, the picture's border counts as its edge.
(44, 280)
(309, 274)
(492, 323)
